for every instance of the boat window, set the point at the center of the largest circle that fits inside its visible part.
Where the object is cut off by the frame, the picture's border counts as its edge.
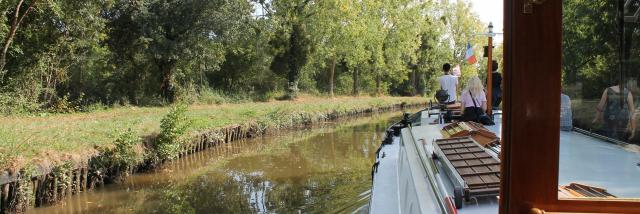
(600, 100)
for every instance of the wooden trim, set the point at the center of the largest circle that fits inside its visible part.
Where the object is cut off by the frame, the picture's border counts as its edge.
(594, 206)
(532, 78)
(533, 44)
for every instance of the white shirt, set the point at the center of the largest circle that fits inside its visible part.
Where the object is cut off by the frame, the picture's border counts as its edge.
(450, 83)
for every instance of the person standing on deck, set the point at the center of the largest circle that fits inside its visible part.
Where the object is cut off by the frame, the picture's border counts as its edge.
(449, 82)
(474, 100)
(616, 109)
(496, 85)
(632, 85)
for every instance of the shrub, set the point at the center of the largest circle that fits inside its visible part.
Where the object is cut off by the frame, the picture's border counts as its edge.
(23, 192)
(172, 127)
(210, 96)
(61, 173)
(16, 103)
(127, 153)
(123, 157)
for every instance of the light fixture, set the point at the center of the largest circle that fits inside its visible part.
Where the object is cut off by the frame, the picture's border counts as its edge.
(490, 27)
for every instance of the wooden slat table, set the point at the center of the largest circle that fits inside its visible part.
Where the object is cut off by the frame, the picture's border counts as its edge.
(472, 129)
(472, 170)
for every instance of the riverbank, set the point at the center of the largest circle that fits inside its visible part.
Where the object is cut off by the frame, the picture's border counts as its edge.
(331, 172)
(46, 158)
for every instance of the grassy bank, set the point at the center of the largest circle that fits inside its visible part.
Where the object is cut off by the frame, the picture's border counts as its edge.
(55, 138)
(313, 142)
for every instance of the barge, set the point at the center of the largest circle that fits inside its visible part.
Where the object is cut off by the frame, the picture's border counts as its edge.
(425, 165)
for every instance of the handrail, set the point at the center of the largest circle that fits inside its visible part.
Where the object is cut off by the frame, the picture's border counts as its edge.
(601, 137)
(431, 177)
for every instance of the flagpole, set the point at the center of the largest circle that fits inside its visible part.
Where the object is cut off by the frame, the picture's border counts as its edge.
(489, 72)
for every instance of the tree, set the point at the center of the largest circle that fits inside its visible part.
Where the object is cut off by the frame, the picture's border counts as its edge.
(431, 55)
(403, 38)
(463, 27)
(591, 34)
(332, 30)
(172, 31)
(20, 11)
(45, 47)
(293, 45)
(65, 55)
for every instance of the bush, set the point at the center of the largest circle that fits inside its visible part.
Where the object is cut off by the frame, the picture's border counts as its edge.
(172, 127)
(62, 174)
(127, 153)
(93, 107)
(210, 96)
(122, 158)
(24, 191)
(263, 97)
(15, 103)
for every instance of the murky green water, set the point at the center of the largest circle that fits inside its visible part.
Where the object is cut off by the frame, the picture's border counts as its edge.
(324, 169)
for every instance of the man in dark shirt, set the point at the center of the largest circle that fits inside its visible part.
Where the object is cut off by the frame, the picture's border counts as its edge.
(496, 85)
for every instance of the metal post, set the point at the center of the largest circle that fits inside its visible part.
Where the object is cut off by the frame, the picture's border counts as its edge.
(489, 72)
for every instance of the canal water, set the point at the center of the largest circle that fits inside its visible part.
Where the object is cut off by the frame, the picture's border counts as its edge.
(321, 169)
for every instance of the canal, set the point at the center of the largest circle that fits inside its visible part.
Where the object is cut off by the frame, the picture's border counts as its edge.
(320, 169)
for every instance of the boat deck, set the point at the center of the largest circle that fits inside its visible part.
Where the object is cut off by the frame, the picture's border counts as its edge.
(583, 159)
(431, 134)
(591, 161)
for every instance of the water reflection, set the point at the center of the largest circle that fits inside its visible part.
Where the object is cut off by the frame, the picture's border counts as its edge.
(318, 170)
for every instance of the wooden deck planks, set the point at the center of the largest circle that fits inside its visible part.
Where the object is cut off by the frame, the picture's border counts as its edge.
(479, 170)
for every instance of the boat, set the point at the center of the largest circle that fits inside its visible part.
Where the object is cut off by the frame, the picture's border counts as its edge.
(543, 168)
(425, 165)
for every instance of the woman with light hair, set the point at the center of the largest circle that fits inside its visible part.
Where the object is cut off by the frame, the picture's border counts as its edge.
(474, 100)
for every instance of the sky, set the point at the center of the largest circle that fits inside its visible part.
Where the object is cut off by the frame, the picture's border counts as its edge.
(490, 11)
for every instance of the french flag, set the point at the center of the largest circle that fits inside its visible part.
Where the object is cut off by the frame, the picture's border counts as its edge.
(471, 59)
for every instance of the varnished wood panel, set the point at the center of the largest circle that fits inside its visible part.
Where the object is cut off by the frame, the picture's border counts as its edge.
(531, 105)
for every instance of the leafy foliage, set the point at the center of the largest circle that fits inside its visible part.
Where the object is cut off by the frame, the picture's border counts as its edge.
(591, 37)
(66, 55)
(120, 159)
(172, 127)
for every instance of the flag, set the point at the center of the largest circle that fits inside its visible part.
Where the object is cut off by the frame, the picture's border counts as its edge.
(456, 71)
(471, 59)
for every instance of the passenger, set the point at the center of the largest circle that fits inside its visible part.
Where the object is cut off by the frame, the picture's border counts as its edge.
(616, 109)
(632, 85)
(449, 82)
(474, 100)
(496, 85)
(566, 116)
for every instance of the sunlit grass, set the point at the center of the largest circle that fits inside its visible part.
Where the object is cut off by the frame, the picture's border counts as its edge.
(24, 138)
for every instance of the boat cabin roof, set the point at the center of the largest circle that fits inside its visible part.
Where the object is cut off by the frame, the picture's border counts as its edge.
(584, 161)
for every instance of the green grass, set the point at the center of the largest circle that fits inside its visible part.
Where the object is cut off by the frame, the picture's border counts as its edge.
(584, 111)
(54, 137)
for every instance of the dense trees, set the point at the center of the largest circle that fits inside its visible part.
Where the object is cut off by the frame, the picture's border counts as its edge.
(591, 46)
(67, 55)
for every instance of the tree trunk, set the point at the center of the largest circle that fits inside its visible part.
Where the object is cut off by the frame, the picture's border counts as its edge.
(356, 81)
(297, 58)
(15, 23)
(414, 83)
(166, 88)
(421, 83)
(332, 72)
(378, 83)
